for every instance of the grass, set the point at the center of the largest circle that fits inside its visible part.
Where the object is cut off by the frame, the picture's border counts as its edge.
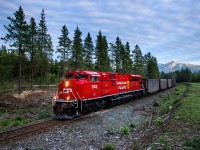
(132, 125)
(111, 130)
(44, 112)
(124, 130)
(169, 100)
(189, 110)
(13, 122)
(159, 121)
(183, 128)
(108, 146)
(14, 118)
(193, 144)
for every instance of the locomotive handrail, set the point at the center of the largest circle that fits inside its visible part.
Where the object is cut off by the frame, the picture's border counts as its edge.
(80, 99)
(74, 95)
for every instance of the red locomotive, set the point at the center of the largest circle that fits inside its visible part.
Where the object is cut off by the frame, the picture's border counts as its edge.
(85, 91)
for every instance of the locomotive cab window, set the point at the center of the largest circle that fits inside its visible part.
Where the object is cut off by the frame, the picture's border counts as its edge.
(94, 79)
(81, 76)
(135, 79)
(69, 76)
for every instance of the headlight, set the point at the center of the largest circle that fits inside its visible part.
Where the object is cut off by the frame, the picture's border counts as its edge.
(67, 84)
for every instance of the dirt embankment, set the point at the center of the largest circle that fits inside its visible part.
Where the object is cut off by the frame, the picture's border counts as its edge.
(26, 99)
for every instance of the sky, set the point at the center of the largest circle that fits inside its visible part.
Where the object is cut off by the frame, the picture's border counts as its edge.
(169, 29)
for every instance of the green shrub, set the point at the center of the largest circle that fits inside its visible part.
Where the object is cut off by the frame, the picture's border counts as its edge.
(110, 130)
(135, 145)
(44, 112)
(193, 144)
(108, 146)
(132, 125)
(155, 103)
(159, 121)
(124, 130)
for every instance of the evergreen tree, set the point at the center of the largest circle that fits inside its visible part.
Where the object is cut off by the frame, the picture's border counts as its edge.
(101, 54)
(89, 51)
(111, 54)
(49, 57)
(43, 47)
(155, 68)
(122, 57)
(106, 59)
(138, 60)
(117, 54)
(32, 47)
(151, 66)
(77, 50)
(64, 47)
(17, 35)
(196, 77)
(8, 66)
(129, 62)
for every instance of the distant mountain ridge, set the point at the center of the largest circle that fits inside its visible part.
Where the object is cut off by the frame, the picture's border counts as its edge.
(173, 66)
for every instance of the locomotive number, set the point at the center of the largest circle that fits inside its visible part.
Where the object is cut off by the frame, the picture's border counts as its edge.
(94, 86)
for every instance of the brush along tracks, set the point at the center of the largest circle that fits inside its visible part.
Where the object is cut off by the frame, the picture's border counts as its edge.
(36, 128)
(21, 132)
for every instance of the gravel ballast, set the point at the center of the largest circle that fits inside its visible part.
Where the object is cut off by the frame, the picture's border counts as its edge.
(92, 131)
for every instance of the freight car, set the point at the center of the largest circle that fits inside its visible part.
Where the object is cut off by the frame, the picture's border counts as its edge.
(86, 91)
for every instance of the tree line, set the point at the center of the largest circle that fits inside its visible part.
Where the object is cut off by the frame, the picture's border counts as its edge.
(29, 58)
(183, 75)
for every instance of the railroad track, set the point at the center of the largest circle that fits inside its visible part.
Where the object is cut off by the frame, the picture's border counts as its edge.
(45, 125)
(36, 128)
(17, 133)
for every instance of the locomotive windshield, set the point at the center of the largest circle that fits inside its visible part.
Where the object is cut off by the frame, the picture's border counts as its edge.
(69, 76)
(81, 76)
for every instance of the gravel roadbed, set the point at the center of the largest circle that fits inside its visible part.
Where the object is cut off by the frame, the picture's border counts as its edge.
(93, 133)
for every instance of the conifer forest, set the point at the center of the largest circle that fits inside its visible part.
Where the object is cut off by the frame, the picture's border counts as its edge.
(29, 60)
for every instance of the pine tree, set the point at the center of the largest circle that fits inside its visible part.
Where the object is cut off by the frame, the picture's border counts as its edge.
(42, 47)
(89, 51)
(64, 48)
(138, 60)
(106, 59)
(17, 35)
(129, 63)
(111, 55)
(77, 51)
(49, 57)
(123, 59)
(32, 47)
(151, 66)
(101, 53)
(117, 54)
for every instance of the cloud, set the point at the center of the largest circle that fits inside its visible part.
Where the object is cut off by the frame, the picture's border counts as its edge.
(166, 28)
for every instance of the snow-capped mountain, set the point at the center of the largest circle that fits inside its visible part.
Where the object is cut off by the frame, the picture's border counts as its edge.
(172, 66)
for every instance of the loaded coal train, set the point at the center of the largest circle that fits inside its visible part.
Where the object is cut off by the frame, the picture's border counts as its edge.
(86, 91)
